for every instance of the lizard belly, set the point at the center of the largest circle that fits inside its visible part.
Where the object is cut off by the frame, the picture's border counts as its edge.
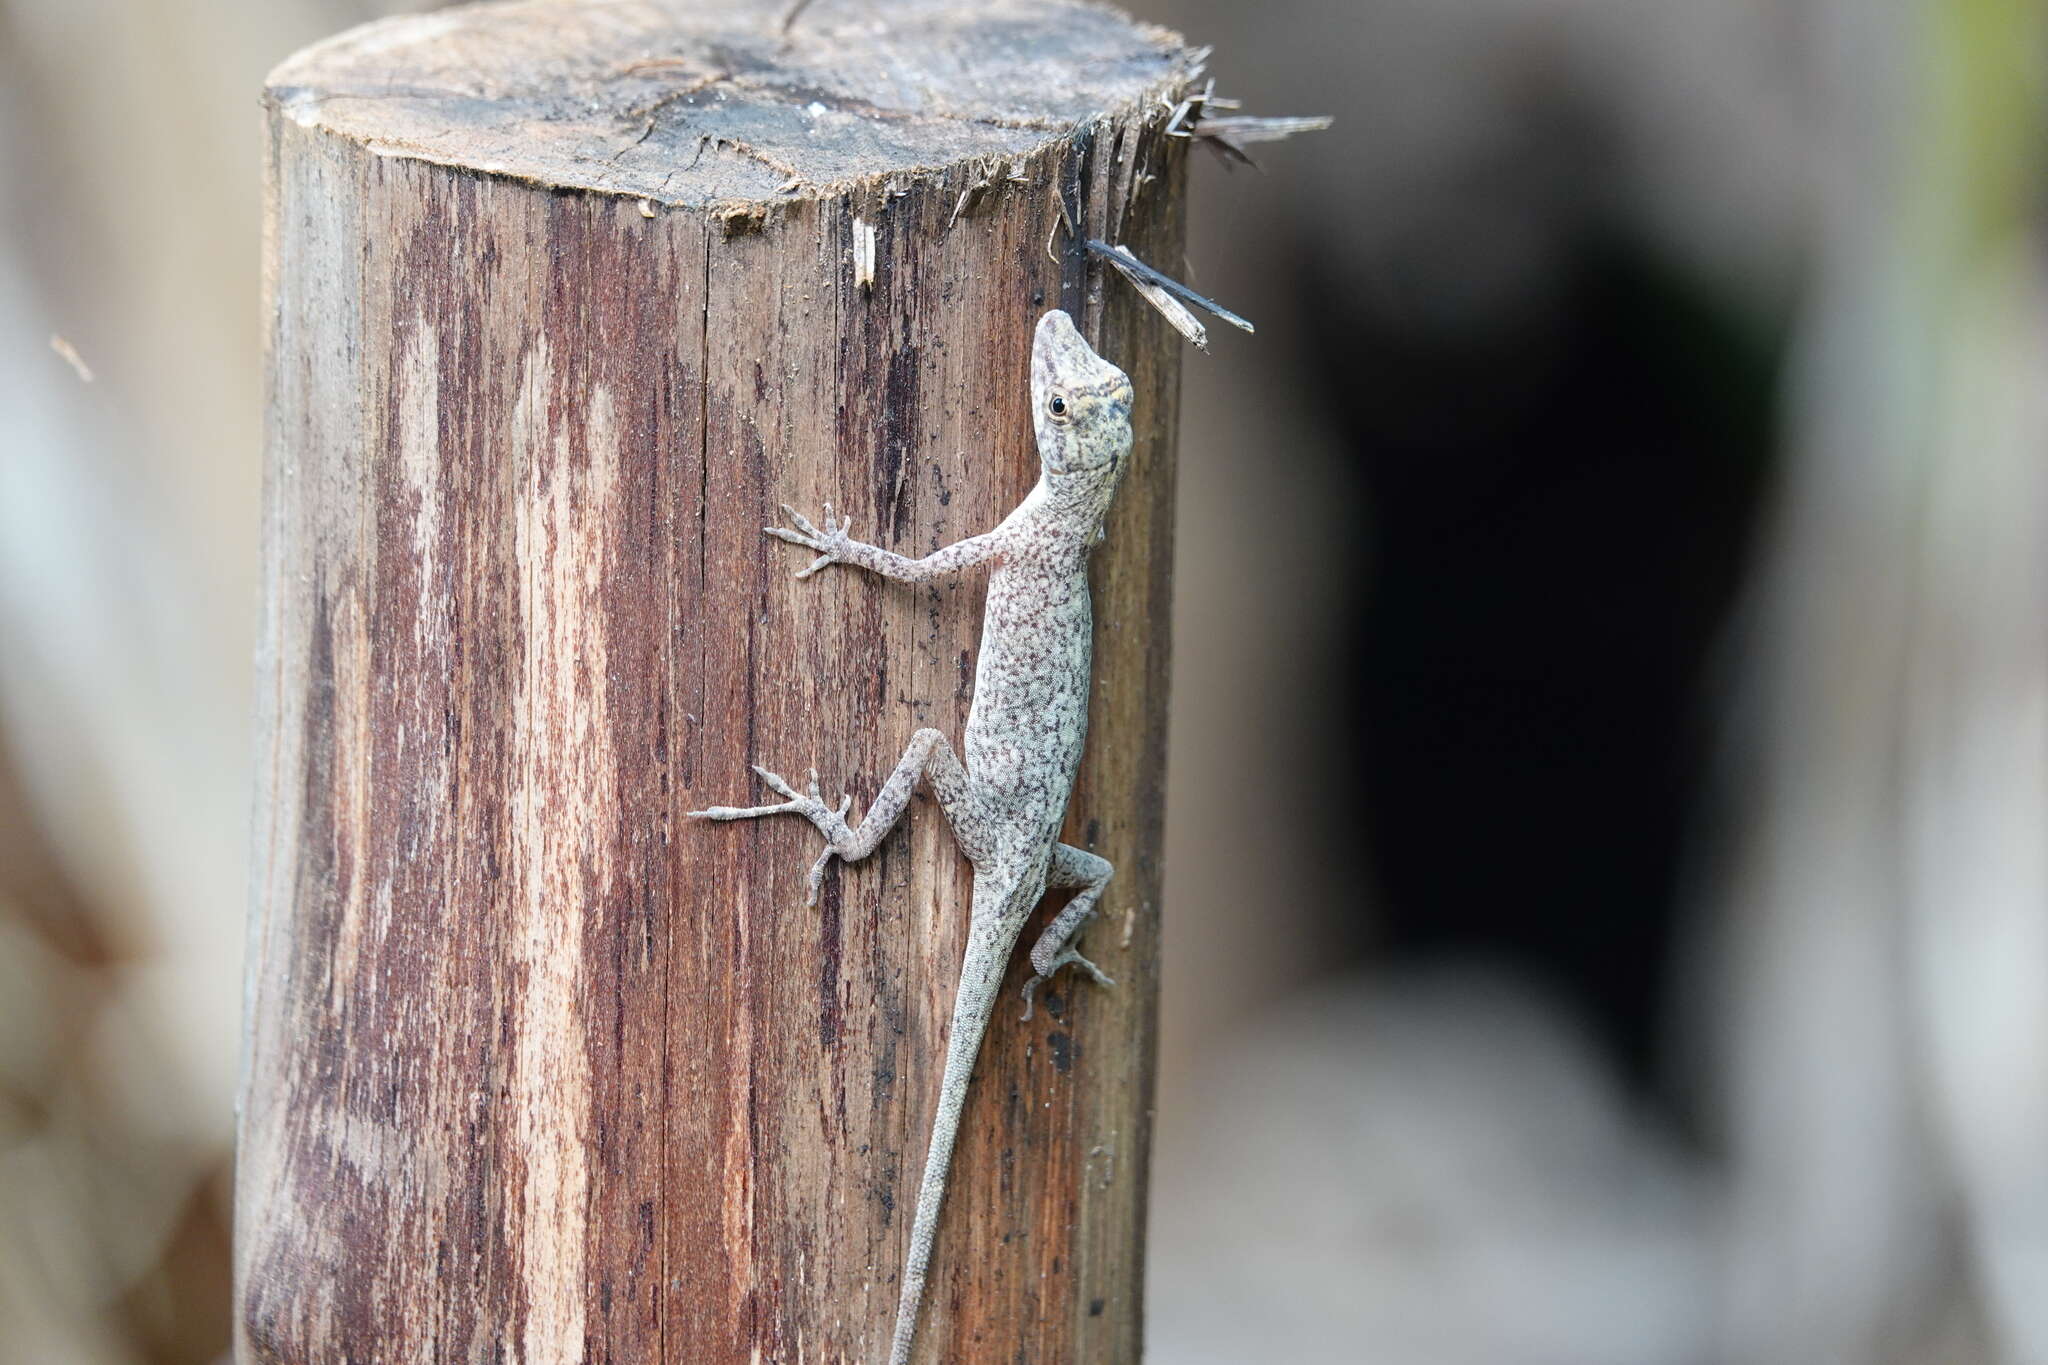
(1029, 719)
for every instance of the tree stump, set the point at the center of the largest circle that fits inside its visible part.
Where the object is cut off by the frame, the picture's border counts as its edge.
(564, 299)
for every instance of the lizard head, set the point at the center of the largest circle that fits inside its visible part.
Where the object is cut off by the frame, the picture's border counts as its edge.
(1081, 406)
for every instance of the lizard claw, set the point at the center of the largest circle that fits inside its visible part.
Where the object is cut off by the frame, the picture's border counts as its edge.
(815, 879)
(795, 802)
(829, 540)
(775, 782)
(811, 805)
(834, 833)
(1102, 978)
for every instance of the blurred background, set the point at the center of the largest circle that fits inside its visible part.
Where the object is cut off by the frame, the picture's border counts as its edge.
(1608, 841)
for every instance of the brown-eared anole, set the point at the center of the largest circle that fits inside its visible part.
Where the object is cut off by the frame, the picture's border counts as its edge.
(1006, 794)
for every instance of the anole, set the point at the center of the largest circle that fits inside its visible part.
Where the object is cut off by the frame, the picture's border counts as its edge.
(1024, 734)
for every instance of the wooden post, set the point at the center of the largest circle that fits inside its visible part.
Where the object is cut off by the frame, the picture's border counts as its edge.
(564, 299)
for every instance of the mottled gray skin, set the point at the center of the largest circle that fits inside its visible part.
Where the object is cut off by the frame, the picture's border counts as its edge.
(1024, 731)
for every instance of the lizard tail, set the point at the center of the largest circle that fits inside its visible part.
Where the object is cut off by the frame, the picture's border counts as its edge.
(981, 977)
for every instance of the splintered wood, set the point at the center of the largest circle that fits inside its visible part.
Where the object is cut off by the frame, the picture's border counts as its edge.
(1165, 293)
(863, 255)
(565, 298)
(1170, 308)
(1226, 136)
(1190, 118)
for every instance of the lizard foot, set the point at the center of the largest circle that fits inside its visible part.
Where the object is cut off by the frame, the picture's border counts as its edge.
(1066, 957)
(809, 804)
(830, 542)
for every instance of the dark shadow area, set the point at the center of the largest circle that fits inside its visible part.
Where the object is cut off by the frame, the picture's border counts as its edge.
(1562, 495)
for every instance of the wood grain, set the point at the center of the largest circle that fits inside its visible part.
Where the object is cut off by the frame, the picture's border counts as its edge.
(536, 1069)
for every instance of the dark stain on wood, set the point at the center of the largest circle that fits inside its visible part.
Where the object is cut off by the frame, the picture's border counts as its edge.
(1061, 1048)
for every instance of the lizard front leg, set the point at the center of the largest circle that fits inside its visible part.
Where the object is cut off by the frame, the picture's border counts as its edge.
(929, 755)
(1055, 947)
(834, 546)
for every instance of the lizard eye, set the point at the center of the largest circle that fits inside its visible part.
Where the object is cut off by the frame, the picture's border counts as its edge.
(1057, 406)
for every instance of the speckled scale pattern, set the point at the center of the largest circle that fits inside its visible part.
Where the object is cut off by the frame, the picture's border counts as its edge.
(1025, 729)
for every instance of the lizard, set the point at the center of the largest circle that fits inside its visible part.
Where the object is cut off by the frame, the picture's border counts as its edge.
(1026, 726)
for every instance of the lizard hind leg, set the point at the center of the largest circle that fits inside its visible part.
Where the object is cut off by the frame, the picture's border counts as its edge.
(1055, 947)
(928, 755)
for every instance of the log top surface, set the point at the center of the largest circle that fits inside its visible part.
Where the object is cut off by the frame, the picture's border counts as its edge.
(702, 102)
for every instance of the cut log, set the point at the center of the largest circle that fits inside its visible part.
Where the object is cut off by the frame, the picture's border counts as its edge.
(564, 299)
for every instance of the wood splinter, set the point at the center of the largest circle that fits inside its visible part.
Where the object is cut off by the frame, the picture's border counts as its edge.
(1227, 136)
(1163, 292)
(863, 255)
